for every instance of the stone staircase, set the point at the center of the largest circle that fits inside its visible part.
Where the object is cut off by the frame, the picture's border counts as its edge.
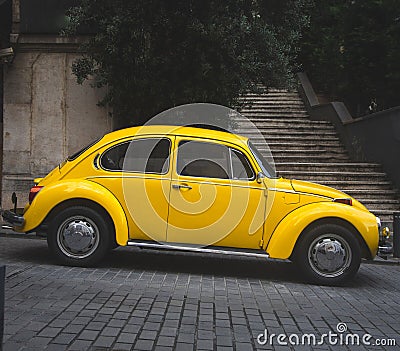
(311, 150)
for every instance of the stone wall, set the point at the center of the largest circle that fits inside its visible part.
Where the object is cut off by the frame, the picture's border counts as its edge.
(47, 116)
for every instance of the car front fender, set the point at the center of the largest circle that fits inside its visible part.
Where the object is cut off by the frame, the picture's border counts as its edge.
(288, 231)
(58, 192)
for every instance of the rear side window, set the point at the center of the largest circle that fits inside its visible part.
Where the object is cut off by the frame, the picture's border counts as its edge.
(150, 155)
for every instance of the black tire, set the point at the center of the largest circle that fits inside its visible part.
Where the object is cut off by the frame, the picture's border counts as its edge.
(80, 236)
(328, 254)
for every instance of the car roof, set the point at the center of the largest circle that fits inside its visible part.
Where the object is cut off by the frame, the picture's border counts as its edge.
(174, 130)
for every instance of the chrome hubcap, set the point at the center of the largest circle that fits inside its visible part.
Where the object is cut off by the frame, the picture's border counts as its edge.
(78, 237)
(329, 255)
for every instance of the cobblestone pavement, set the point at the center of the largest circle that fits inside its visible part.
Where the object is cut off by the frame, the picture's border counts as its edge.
(148, 300)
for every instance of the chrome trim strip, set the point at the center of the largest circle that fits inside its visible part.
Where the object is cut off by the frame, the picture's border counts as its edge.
(177, 247)
(164, 177)
(283, 190)
(301, 193)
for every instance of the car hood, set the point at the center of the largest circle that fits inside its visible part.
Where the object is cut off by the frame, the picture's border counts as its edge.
(300, 186)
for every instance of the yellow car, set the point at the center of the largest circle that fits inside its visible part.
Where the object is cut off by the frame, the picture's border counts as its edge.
(194, 189)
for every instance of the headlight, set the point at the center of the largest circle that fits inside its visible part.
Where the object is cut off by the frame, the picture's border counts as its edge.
(386, 232)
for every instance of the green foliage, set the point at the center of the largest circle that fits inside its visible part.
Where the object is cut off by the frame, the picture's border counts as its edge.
(352, 52)
(156, 54)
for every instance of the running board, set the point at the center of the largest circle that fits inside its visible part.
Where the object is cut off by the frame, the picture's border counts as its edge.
(199, 249)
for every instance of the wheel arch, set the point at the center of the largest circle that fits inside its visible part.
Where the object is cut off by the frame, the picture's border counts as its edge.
(286, 234)
(60, 195)
(365, 252)
(78, 202)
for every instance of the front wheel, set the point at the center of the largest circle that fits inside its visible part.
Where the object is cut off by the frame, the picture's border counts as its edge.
(79, 236)
(329, 254)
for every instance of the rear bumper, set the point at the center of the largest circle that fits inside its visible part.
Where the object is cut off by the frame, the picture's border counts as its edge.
(13, 218)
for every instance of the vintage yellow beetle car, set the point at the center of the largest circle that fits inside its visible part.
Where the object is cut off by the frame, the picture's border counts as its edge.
(194, 189)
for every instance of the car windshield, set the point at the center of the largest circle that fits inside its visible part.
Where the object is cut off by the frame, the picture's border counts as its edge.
(81, 151)
(266, 167)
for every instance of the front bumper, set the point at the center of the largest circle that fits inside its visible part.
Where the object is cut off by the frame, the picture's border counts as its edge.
(13, 218)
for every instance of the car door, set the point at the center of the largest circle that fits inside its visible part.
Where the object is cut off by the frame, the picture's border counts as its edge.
(215, 198)
(138, 173)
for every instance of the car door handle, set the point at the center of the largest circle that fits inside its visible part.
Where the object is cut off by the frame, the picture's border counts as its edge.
(181, 186)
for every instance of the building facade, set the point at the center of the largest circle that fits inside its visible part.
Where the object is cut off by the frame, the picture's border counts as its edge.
(46, 115)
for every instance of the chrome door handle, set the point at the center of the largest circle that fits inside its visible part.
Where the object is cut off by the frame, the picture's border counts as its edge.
(181, 186)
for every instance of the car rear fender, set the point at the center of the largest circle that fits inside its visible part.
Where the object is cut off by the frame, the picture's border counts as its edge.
(61, 191)
(288, 231)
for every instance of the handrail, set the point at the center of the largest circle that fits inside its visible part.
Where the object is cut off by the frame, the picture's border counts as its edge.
(374, 137)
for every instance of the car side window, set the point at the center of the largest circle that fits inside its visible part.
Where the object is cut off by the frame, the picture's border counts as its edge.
(241, 168)
(147, 155)
(203, 159)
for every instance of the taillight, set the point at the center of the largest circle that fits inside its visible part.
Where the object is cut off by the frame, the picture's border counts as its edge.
(34, 190)
(345, 201)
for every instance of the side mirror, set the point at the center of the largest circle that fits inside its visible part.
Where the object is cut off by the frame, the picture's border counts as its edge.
(260, 176)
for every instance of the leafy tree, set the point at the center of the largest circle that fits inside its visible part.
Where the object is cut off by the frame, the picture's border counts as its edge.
(352, 50)
(156, 54)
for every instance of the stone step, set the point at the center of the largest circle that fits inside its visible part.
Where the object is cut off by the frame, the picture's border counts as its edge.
(381, 204)
(386, 216)
(287, 122)
(334, 146)
(274, 110)
(298, 140)
(289, 131)
(247, 128)
(321, 176)
(259, 111)
(329, 166)
(271, 91)
(275, 115)
(256, 109)
(273, 104)
(309, 159)
(276, 97)
(279, 158)
(301, 155)
(349, 185)
(270, 101)
(279, 126)
(373, 194)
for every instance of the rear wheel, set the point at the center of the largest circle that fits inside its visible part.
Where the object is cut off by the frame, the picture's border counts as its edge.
(328, 254)
(79, 236)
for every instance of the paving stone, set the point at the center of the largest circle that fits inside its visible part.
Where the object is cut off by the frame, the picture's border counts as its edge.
(63, 338)
(104, 341)
(127, 338)
(148, 335)
(88, 335)
(80, 345)
(142, 344)
(184, 347)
